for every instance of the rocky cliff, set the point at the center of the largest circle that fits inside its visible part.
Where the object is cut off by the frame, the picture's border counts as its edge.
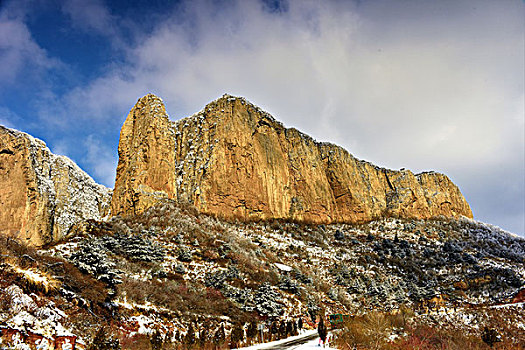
(234, 160)
(41, 194)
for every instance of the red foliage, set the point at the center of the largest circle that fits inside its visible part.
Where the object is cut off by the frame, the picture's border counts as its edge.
(519, 297)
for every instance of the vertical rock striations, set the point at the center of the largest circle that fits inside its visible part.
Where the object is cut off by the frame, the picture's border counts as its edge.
(236, 161)
(41, 194)
(146, 163)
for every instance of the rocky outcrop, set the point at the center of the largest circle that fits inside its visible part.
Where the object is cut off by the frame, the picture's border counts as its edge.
(234, 160)
(42, 194)
(145, 170)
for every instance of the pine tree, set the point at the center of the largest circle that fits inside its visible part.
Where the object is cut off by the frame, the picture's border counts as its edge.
(282, 330)
(289, 328)
(237, 335)
(203, 336)
(189, 339)
(251, 332)
(156, 340)
(169, 336)
(104, 341)
(490, 336)
(219, 336)
(274, 329)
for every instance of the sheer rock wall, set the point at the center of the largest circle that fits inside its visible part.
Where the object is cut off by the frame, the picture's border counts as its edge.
(236, 161)
(41, 194)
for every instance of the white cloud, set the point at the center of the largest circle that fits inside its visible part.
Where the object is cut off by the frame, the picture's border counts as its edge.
(8, 117)
(422, 85)
(19, 51)
(101, 160)
(90, 15)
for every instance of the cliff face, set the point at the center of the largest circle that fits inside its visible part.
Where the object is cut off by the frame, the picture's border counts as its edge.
(146, 164)
(236, 161)
(41, 194)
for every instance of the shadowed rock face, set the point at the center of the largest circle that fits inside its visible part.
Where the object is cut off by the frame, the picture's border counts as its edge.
(41, 194)
(234, 160)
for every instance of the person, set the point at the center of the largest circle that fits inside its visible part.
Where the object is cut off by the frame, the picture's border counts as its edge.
(321, 329)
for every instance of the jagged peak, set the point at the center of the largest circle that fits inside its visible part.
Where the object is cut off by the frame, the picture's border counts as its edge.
(17, 133)
(38, 144)
(229, 99)
(149, 105)
(148, 98)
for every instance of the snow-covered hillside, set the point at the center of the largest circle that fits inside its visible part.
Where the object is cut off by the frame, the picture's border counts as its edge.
(174, 276)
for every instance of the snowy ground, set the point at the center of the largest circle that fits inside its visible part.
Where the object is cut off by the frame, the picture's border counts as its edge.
(313, 344)
(282, 344)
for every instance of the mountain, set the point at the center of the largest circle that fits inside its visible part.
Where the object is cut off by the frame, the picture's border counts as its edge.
(41, 194)
(158, 263)
(235, 161)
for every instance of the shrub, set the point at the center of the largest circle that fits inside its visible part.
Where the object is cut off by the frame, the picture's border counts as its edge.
(189, 339)
(266, 301)
(104, 340)
(219, 337)
(134, 248)
(184, 254)
(91, 257)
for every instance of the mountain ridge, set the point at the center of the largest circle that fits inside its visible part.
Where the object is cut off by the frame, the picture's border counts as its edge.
(272, 172)
(169, 274)
(42, 194)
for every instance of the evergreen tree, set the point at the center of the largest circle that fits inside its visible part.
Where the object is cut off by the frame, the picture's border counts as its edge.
(219, 336)
(282, 329)
(189, 339)
(274, 329)
(203, 336)
(251, 332)
(490, 336)
(289, 328)
(169, 336)
(104, 341)
(236, 336)
(156, 340)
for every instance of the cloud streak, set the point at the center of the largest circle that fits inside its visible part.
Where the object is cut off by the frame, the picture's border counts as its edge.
(19, 53)
(91, 16)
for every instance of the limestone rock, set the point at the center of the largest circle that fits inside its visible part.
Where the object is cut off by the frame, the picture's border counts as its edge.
(234, 160)
(42, 194)
(146, 167)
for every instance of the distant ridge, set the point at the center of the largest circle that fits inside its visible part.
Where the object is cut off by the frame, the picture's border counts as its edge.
(42, 194)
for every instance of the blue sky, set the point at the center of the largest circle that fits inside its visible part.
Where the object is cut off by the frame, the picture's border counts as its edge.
(425, 85)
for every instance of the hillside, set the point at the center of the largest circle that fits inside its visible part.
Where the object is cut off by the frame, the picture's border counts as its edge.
(171, 271)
